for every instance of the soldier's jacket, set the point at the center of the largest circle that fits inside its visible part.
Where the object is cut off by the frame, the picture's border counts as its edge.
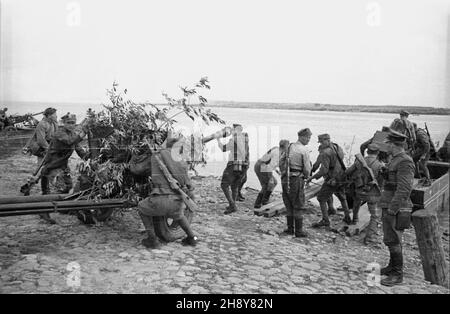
(422, 144)
(178, 169)
(399, 183)
(44, 132)
(63, 143)
(330, 165)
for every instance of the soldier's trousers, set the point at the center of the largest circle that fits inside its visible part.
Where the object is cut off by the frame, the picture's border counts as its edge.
(266, 179)
(391, 236)
(294, 196)
(327, 191)
(58, 179)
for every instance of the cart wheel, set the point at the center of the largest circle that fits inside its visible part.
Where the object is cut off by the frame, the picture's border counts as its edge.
(169, 230)
(91, 217)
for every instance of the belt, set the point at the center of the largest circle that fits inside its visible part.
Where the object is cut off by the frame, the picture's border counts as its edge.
(294, 170)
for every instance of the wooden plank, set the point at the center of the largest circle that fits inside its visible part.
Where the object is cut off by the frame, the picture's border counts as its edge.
(261, 211)
(420, 195)
(364, 218)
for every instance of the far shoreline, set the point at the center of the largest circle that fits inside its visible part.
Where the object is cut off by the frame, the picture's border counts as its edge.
(333, 108)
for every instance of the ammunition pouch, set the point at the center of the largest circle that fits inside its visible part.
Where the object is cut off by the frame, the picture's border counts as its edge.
(403, 219)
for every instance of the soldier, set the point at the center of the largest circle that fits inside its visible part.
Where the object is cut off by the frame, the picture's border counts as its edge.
(421, 154)
(4, 121)
(163, 200)
(332, 171)
(264, 168)
(396, 205)
(316, 165)
(55, 168)
(404, 126)
(365, 180)
(295, 166)
(40, 141)
(238, 162)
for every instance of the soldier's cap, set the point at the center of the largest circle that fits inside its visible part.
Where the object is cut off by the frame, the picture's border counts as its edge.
(404, 113)
(395, 137)
(69, 117)
(49, 111)
(373, 147)
(236, 125)
(304, 132)
(323, 137)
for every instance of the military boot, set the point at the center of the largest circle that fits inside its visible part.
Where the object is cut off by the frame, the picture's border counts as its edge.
(331, 209)
(395, 276)
(46, 190)
(191, 239)
(240, 197)
(299, 232)
(290, 226)
(266, 197)
(355, 216)
(258, 201)
(152, 242)
(325, 221)
(371, 232)
(347, 218)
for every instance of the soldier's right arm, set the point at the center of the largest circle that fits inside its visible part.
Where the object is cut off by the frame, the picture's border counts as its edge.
(324, 166)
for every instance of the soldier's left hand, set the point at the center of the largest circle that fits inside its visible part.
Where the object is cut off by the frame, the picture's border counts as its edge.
(391, 212)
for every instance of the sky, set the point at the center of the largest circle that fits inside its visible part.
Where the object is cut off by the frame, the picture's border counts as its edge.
(385, 52)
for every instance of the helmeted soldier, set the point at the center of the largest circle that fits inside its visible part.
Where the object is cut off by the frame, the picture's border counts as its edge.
(396, 205)
(264, 168)
(405, 127)
(332, 171)
(295, 166)
(163, 200)
(55, 167)
(421, 153)
(238, 161)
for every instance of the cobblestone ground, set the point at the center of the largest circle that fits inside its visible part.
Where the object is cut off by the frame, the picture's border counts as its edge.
(239, 253)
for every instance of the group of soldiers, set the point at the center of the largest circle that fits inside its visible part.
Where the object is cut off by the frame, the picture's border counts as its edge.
(382, 179)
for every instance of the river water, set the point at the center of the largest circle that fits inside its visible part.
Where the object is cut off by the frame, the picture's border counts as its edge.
(267, 126)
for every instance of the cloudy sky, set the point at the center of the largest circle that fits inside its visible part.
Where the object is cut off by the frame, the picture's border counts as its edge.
(340, 52)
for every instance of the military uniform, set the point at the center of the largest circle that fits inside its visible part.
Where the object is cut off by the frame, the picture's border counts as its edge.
(264, 168)
(295, 166)
(396, 197)
(163, 200)
(235, 172)
(316, 165)
(40, 142)
(364, 176)
(405, 127)
(332, 172)
(55, 168)
(422, 153)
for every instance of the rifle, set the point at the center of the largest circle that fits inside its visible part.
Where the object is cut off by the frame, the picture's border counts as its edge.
(175, 185)
(373, 181)
(432, 147)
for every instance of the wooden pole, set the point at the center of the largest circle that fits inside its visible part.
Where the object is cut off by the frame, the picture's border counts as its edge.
(428, 237)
